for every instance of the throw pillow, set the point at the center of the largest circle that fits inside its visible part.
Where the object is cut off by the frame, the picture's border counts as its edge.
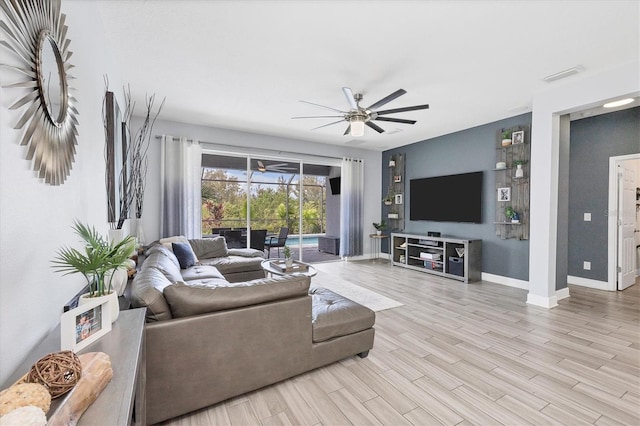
(185, 255)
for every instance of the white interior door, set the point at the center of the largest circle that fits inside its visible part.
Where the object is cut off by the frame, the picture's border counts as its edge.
(626, 225)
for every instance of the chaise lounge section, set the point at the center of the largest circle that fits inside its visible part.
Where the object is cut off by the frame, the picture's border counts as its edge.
(209, 339)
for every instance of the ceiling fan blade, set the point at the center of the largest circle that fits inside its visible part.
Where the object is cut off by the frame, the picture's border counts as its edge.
(323, 106)
(346, 132)
(388, 99)
(320, 116)
(325, 125)
(396, 120)
(374, 126)
(350, 98)
(411, 108)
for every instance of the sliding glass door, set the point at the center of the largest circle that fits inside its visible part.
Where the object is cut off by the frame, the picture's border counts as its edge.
(264, 197)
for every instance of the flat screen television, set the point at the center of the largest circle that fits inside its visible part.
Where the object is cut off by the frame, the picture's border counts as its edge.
(335, 185)
(451, 198)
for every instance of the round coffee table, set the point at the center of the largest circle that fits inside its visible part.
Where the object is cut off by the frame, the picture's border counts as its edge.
(301, 268)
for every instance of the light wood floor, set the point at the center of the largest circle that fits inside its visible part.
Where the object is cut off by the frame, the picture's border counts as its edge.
(459, 354)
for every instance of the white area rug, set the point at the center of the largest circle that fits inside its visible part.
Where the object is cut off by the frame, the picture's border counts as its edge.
(372, 300)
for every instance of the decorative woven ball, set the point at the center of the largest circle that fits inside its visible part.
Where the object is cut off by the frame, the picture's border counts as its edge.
(58, 372)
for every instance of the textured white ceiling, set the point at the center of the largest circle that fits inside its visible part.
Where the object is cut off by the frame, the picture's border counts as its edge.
(245, 65)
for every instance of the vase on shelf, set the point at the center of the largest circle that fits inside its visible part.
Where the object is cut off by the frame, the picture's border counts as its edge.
(519, 171)
(140, 239)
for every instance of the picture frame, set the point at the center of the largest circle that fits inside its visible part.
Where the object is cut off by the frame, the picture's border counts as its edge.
(397, 178)
(517, 138)
(81, 326)
(504, 194)
(398, 198)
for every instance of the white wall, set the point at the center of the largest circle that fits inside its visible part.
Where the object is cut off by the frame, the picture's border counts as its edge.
(563, 97)
(36, 218)
(244, 141)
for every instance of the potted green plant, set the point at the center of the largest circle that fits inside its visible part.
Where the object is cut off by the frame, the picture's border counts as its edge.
(511, 214)
(287, 257)
(519, 171)
(380, 226)
(506, 137)
(388, 200)
(97, 262)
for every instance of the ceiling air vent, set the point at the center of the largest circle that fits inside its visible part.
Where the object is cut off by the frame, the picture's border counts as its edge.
(564, 73)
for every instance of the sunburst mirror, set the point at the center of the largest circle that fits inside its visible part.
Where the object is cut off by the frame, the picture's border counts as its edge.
(37, 36)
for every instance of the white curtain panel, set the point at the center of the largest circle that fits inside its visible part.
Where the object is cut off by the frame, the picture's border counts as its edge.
(351, 207)
(180, 204)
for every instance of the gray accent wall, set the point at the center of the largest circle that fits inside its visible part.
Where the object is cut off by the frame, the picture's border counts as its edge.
(593, 141)
(465, 151)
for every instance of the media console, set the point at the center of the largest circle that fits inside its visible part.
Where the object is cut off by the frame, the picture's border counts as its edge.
(438, 255)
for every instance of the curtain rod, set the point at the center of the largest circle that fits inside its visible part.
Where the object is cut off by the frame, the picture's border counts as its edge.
(255, 150)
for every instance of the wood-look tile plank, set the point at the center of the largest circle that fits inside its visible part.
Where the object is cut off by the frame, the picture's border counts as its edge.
(464, 354)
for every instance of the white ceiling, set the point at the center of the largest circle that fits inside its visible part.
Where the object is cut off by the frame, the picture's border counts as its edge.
(245, 65)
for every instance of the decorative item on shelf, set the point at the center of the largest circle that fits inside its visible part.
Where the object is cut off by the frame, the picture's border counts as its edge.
(511, 214)
(460, 251)
(398, 199)
(392, 216)
(381, 226)
(287, 257)
(506, 137)
(397, 178)
(517, 138)
(388, 200)
(504, 194)
(22, 394)
(58, 372)
(97, 262)
(519, 171)
(392, 162)
(501, 165)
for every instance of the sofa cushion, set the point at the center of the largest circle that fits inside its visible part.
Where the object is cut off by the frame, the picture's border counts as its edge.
(201, 272)
(146, 292)
(186, 300)
(184, 254)
(165, 261)
(334, 315)
(234, 264)
(209, 247)
(246, 252)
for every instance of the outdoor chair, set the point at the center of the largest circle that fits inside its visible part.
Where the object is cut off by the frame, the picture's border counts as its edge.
(258, 238)
(277, 242)
(233, 238)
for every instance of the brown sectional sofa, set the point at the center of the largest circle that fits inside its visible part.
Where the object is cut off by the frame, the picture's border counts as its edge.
(209, 338)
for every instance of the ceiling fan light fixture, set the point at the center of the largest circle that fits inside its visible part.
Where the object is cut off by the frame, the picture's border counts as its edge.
(357, 128)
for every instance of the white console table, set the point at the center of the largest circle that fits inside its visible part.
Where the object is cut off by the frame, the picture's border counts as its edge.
(122, 402)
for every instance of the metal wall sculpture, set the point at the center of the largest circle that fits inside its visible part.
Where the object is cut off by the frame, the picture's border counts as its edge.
(37, 36)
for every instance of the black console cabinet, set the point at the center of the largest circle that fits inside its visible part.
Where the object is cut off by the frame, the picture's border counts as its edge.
(329, 244)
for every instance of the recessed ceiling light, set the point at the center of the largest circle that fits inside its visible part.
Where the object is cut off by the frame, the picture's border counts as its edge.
(618, 103)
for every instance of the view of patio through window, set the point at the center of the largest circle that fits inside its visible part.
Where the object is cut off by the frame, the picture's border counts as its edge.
(264, 194)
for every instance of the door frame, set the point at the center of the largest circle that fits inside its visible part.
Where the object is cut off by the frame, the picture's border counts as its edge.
(612, 237)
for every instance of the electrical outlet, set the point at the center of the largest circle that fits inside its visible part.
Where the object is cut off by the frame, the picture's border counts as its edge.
(587, 217)
(587, 265)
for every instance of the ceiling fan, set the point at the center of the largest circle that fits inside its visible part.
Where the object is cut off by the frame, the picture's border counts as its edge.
(279, 167)
(358, 116)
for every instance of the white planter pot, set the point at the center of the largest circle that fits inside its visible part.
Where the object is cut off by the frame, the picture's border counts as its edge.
(288, 263)
(116, 235)
(378, 232)
(112, 298)
(519, 171)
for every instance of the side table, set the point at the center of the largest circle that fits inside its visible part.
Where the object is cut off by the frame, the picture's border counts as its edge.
(375, 245)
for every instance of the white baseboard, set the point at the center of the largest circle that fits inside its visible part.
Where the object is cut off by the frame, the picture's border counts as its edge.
(544, 302)
(510, 282)
(563, 293)
(586, 282)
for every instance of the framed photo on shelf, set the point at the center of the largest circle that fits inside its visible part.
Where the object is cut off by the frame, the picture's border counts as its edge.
(517, 138)
(398, 199)
(504, 194)
(397, 178)
(85, 324)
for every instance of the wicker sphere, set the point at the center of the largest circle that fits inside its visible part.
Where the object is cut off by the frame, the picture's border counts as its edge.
(58, 372)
